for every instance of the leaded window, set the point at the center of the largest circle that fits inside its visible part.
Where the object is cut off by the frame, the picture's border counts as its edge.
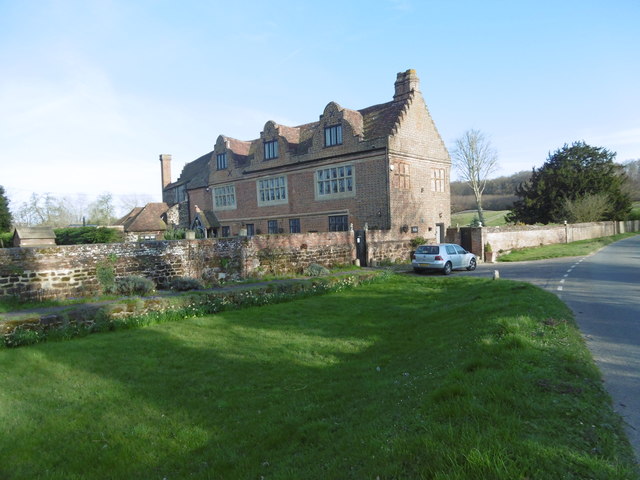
(333, 135)
(272, 190)
(335, 181)
(224, 197)
(294, 225)
(270, 150)
(221, 161)
(338, 223)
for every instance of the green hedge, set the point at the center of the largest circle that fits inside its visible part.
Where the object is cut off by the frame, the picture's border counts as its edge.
(84, 235)
(6, 239)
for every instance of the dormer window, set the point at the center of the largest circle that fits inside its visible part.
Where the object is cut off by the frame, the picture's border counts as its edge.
(271, 150)
(221, 161)
(333, 135)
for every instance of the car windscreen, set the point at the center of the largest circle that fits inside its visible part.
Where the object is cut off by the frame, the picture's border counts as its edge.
(428, 249)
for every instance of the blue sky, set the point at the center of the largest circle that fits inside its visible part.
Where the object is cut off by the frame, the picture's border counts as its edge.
(91, 92)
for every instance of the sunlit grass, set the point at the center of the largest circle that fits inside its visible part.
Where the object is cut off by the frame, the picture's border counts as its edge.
(412, 377)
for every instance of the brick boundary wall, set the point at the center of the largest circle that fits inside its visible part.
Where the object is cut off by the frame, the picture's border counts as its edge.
(70, 271)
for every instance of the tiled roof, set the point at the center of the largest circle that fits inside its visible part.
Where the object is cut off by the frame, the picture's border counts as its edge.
(208, 219)
(196, 174)
(145, 219)
(379, 120)
(291, 134)
(239, 147)
(376, 121)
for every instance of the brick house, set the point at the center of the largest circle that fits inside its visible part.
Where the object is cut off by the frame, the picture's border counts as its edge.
(383, 167)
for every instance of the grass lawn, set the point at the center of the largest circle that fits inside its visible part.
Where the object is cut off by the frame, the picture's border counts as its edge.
(573, 249)
(406, 378)
(494, 218)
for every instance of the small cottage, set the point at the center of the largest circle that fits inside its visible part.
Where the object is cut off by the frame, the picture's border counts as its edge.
(145, 223)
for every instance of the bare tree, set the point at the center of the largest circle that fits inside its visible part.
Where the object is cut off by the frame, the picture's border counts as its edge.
(128, 202)
(475, 159)
(101, 210)
(45, 209)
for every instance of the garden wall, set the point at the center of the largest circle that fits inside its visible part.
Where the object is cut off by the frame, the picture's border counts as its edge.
(68, 271)
(511, 237)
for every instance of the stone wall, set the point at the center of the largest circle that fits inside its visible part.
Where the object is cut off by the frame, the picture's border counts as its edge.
(69, 271)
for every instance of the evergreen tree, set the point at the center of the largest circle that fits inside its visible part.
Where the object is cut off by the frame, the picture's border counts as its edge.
(5, 214)
(571, 173)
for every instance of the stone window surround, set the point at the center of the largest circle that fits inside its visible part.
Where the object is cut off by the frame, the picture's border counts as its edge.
(224, 197)
(263, 185)
(344, 194)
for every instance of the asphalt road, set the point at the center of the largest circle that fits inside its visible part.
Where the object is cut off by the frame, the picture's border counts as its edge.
(603, 291)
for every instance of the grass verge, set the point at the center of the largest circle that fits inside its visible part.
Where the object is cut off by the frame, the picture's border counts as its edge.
(410, 377)
(573, 249)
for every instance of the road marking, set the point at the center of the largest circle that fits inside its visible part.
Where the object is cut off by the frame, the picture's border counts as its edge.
(560, 287)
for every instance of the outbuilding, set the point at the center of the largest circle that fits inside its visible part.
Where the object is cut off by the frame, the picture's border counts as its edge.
(34, 237)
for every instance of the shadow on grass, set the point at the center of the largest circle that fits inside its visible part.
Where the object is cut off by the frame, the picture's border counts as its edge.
(390, 380)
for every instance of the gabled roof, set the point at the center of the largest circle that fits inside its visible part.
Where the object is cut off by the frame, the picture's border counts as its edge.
(370, 123)
(194, 174)
(35, 233)
(207, 219)
(380, 120)
(145, 219)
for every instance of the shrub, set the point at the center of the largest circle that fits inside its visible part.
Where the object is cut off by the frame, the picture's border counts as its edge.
(134, 285)
(417, 241)
(182, 284)
(315, 270)
(6, 239)
(175, 234)
(87, 235)
(106, 274)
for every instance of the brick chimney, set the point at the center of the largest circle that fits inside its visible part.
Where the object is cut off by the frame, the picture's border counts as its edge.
(165, 165)
(406, 82)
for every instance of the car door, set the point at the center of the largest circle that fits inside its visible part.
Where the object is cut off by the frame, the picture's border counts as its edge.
(463, 255)
(453, 256)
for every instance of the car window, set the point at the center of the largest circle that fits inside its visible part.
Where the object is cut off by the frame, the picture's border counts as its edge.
(451, 250)
(428, 249)
(460, 250)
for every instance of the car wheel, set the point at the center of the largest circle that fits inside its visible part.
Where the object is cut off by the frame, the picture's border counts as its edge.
(447, 268)
(472, 264)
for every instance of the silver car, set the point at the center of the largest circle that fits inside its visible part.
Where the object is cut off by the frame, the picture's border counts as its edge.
(444, 257)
